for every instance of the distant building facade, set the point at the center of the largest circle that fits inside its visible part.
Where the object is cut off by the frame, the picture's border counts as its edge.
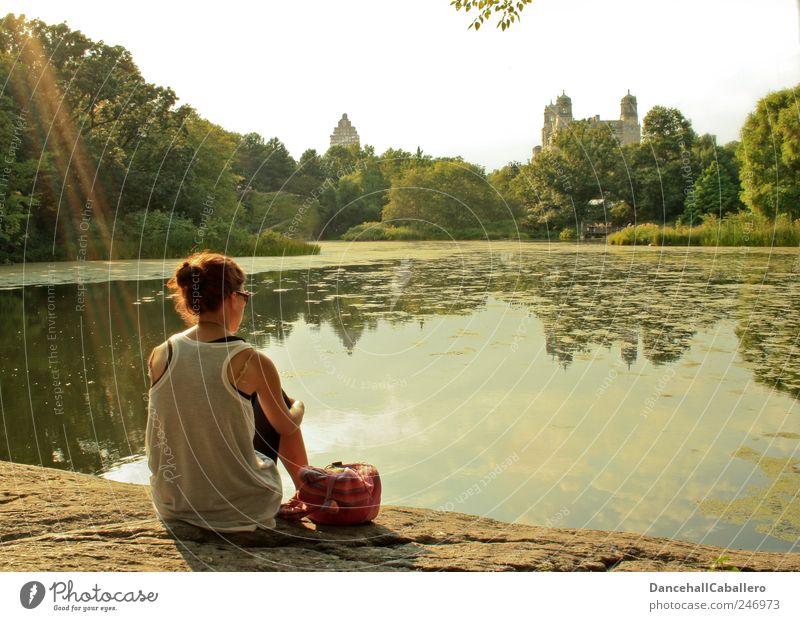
(344, 133)
(557, 116)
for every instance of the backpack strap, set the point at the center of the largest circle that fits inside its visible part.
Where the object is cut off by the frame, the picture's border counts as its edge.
(330, 505)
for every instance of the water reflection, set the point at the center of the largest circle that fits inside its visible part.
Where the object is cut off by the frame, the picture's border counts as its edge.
(773, 506)
(606, 389)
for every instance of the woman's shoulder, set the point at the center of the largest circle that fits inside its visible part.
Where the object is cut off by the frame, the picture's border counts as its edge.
(158, 361)
(241, 367)
(245, 353)
(162, 353)
(180, 335)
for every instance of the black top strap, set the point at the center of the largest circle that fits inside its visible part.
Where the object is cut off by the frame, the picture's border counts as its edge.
(226, 339)
(169, 359)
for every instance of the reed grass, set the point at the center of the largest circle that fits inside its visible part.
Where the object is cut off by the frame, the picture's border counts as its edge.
(740, 229)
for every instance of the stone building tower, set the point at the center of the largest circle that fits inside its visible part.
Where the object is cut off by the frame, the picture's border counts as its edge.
(563, 110)
(549, 123)
(629, 115)
(344, 133)
(557, 116)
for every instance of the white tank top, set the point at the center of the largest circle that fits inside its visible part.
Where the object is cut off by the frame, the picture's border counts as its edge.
(199, 444)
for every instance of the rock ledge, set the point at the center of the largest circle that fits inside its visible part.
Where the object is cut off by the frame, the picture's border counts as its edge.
(55, 520)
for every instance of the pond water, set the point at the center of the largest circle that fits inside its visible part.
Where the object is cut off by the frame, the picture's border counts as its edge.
(641, 389)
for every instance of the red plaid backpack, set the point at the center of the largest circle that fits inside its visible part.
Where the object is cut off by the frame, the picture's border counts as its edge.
(340, 494)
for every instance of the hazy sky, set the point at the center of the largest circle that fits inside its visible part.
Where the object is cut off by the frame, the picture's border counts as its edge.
(410, 74)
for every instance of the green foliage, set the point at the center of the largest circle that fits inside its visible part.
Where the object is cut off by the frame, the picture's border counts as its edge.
(377, 231)
(355, 190)
(208, 183)
(265, 166)
(662, 173)
(714, 193)
(621, 213)
(650, 234)
(158, 234)
(447, 194)
(381, 231)
(121, 160)
(309, 175)
(720, 563)
(770, 155)
(271, 243)
(667, 130)
(17, 170)
(155, 233)
(13, 206)
(567, 234)
(340, 161)
(739, 229)
(501, 181)
(706, 150)
(394, 162)
(498, 229)
(281, 212)
(114, 163)
(584, 165)
(509, 11)
(311, 164)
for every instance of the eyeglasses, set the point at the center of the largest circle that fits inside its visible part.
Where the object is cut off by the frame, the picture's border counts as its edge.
(245, 294)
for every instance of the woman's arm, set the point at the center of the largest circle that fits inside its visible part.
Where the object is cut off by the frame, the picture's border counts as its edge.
(263, 376)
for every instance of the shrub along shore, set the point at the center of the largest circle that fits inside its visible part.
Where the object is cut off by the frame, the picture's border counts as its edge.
(741, 229)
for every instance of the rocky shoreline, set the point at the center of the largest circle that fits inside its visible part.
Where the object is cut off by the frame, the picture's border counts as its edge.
(55, 520)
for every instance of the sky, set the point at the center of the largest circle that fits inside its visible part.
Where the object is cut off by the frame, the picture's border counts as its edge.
(412, 74)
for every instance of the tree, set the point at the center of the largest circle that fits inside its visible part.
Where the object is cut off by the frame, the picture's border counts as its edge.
(509, 11)
(394, 163)
(357, 197)
(621, 213)
(264, 166)
(208, 186)
(561, 183)
(770, 155)
(715, 192)
(155, 164)
(373, 186)
(311, 164)
(662, 174)
(309, 176)
(501, 180)
(706, 150)
(666, 129)
(88, 143)
(538, 190)
(446, 194)
(88, 112)
(18, 168)
(340, 160)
